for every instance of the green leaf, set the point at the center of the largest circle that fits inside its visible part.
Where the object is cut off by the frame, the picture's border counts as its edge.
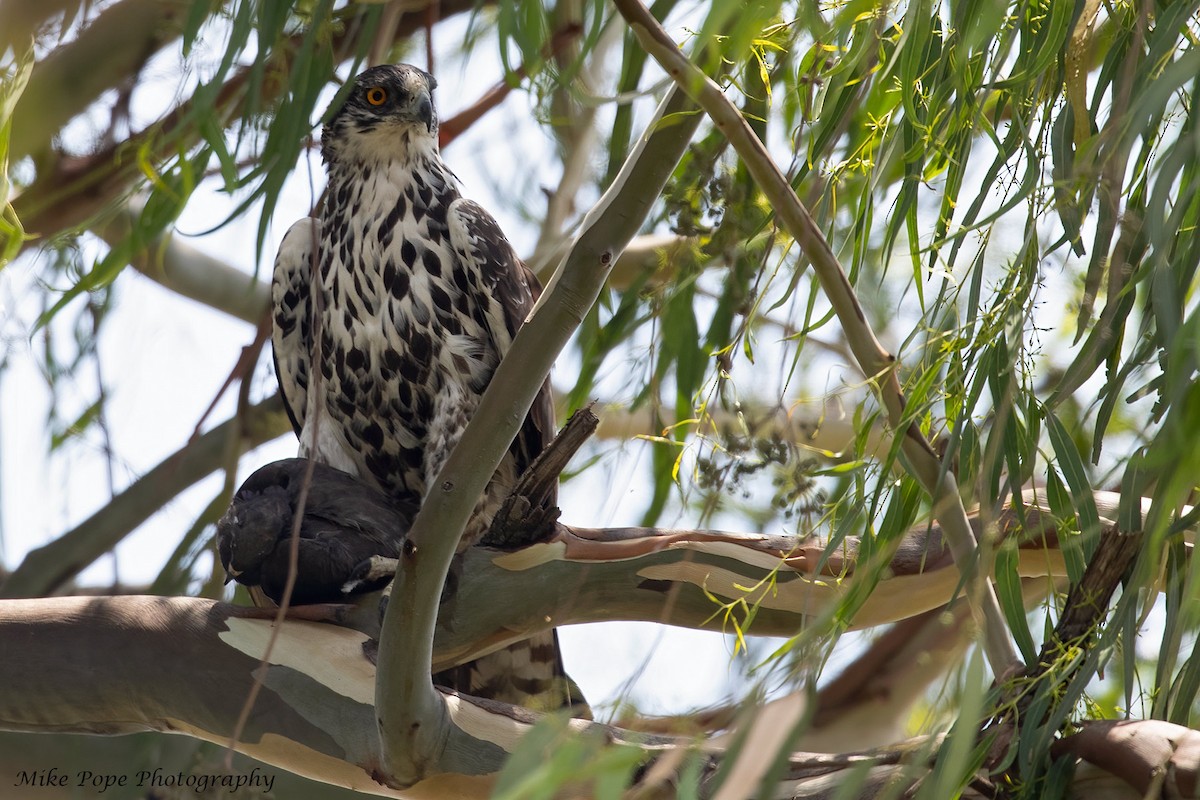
(1012, 601)
(15, 79)
(76, 428)
(1068, 539)
(1075, 473)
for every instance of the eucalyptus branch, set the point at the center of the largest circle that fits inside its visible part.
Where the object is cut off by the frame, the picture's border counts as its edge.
(47, 568)
(869, 703)
(312, 717)
(106, 54)
(823, 427)
(876, 363)
(199, 276)
(190, 272)
(143, 654)
(313, 712)
(715, 580)
(414, 725)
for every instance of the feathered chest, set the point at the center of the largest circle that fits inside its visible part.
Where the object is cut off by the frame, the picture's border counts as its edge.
(404, 317)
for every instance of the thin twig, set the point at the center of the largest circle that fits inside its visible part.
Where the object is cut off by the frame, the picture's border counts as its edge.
(242, 370)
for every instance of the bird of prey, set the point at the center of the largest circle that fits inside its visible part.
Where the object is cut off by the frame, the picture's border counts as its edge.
(383, 352)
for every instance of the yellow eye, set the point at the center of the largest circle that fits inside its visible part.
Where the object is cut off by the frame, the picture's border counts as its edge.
(376, 96)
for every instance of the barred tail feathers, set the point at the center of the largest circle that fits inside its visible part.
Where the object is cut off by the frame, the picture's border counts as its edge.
(528, 673)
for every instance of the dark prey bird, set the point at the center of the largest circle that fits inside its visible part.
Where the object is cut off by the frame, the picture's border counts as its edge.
(416, 298)
(345, 523)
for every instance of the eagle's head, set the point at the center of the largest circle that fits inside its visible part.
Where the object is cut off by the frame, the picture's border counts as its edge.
(387, 114)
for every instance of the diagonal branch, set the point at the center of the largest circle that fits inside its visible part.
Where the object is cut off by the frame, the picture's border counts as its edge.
(46, 569)
(414, 725)
(876, 363)
(107, 53)
(1077, 628)
(188, 271)
(714, 579)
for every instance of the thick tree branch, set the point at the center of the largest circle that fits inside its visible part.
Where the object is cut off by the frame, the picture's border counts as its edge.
(415, 729)
(315, 715)
(190, 272)
(876, 363)
(1156, 758)
(711, 579)
(185, 665)
(587, 575)
(590, 575)
(106, 54)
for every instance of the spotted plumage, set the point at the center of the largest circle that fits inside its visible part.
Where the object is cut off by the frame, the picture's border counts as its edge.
(417, 296)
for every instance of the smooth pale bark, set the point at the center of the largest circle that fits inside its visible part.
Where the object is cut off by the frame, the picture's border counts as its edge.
(185, 665)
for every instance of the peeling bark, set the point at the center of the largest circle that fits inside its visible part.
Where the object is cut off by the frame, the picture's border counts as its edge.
(185, 665)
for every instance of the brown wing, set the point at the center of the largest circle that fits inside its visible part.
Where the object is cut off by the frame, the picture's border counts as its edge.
(529, 672)
(478, 238)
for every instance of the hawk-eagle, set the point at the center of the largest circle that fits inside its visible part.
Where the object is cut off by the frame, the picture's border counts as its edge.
(416, 297)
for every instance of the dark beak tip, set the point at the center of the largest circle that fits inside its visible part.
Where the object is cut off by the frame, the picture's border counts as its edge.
(425, 111)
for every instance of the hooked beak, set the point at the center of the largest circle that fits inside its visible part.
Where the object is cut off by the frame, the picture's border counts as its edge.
(423, 107)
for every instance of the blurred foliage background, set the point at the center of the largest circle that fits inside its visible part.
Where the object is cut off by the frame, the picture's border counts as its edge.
(1011, 187)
